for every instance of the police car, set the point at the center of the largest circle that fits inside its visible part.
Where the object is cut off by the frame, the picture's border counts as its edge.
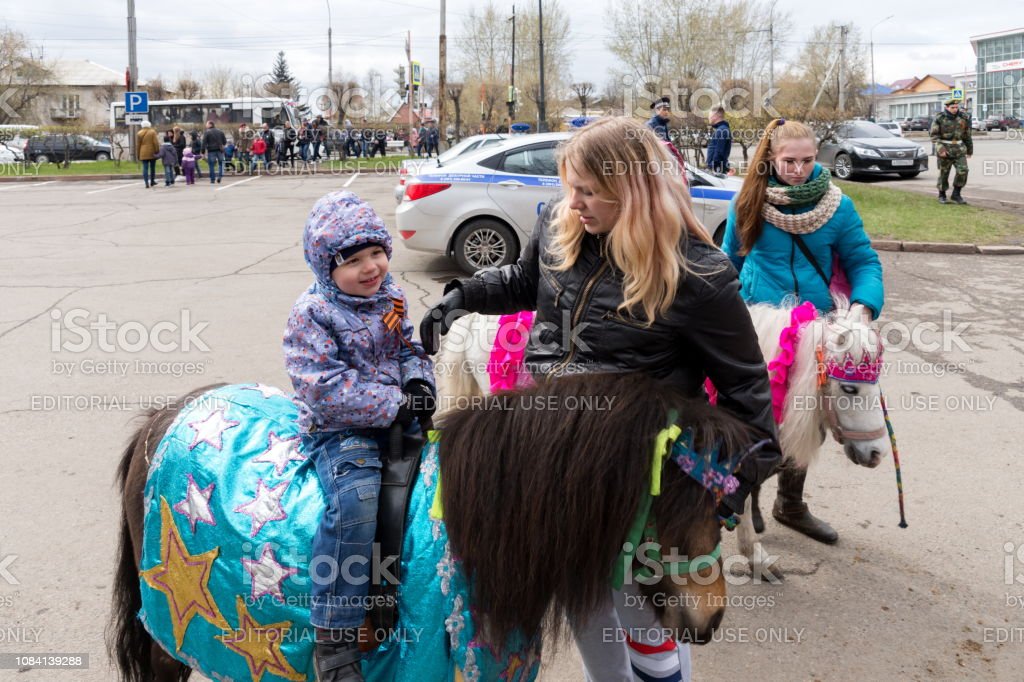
(481, 209)
(411, 167)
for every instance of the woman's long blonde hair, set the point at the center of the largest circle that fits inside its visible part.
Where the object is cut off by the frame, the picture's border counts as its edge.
(627, 163)
(749, 222)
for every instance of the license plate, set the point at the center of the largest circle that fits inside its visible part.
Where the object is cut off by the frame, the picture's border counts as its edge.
(903, 162)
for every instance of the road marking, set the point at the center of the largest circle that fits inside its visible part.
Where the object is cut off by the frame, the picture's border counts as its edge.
(255, 177)
(350, 180)
(111, 189)
(20, 186)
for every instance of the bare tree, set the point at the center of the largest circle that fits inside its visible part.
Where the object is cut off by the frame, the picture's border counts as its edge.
(817, 67)
(454, 93)
(188, 87)
(583, 90)
(218, 82)
(22, 75)
(157, 90)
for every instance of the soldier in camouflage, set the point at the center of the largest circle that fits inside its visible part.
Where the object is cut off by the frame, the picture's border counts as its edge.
(951, 134)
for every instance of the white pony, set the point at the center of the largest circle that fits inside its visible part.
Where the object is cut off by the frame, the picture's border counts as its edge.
(832, 387)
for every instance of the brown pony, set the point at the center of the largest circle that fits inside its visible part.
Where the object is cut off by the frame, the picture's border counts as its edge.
(539, 490)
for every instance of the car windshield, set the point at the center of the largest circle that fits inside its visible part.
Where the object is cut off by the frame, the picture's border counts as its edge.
(460, 149)
(865, 129)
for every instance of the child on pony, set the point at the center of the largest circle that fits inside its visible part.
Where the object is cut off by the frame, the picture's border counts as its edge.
(356, 370)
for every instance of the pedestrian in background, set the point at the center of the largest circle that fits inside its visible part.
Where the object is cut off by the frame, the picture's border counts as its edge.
(720, 142)
(214, 142)
(169, 158)
(147, 148)
(951, 134)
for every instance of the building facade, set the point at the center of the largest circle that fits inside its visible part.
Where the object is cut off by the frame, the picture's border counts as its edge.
(1000, 73)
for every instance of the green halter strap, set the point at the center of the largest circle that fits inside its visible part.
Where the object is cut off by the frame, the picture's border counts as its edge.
(644, 526)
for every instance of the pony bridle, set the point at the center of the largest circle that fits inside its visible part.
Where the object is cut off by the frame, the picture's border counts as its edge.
(848, 370)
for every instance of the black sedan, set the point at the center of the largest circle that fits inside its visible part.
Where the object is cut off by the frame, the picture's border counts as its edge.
(862, 147)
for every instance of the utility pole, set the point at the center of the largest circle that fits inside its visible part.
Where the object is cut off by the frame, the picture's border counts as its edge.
(512, 79)
(842, 67)
(542, 124)
(408, 54)
(133, 73)
(442, 83)
(330, 50)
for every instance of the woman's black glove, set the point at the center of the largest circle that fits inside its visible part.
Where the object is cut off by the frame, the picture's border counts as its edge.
(418, 402)
(440, 318)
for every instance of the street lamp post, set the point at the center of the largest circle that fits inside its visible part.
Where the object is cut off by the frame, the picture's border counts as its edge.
(542, 125)
(874, 85)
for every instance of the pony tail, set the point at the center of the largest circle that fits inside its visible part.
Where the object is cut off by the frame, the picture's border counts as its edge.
(752, 194)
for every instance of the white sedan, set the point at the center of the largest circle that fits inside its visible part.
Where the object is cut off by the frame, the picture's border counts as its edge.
(482, 208)
(411, 167)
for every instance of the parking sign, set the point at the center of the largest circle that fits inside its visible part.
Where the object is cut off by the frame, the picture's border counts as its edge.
(136, 102)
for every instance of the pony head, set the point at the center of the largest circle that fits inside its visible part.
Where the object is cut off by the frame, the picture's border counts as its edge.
(849, 367)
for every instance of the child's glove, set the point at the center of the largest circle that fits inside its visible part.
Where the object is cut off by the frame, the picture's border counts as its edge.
(418, 402)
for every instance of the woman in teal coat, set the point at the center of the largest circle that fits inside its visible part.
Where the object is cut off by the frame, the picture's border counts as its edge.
(784, 230)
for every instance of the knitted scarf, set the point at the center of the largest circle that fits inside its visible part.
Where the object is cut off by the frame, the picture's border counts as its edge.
(820, 191)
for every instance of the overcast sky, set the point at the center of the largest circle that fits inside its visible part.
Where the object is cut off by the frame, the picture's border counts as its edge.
(923, 37)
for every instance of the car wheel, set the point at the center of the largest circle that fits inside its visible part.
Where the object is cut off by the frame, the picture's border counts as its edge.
(103, 156)
(41, 158)
(483, 244)
(909, 174)
(843, 167)
(719, 235)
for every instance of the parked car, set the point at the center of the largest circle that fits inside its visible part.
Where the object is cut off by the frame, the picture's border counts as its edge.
(1008, 122)
(893, 127)
(7, 155)
(413, 167)
(862, 147)
(975, 123)
(482, 207)
(991, 123)
(916, 123)
(57, 148)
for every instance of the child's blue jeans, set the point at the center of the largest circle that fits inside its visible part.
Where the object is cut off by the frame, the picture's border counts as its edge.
(348, 465)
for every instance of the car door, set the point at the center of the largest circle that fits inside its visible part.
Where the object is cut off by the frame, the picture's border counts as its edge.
(525, 179)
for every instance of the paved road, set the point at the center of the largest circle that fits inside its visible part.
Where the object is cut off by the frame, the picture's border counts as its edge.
(931, 601)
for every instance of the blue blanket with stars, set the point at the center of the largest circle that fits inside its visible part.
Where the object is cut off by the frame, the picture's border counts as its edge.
(231, 506)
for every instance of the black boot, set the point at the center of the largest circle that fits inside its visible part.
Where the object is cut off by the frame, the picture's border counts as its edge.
(956, 196)
(942, 198)
(756, 520)
(791, 511)
(337, 657)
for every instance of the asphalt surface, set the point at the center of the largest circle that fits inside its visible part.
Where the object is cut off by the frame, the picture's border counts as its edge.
(943, 598)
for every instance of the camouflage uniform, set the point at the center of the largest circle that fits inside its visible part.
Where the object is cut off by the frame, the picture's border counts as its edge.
(951, 134)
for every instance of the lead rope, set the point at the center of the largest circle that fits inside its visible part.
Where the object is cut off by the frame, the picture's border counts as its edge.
(895, 459)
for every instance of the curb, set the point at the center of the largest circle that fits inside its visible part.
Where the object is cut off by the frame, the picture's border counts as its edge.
(947, 247)
(138, 176)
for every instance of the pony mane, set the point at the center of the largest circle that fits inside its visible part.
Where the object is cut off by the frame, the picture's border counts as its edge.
(541, 487)
(463, 355)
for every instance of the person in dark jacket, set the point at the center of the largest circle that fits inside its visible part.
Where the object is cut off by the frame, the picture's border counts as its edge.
(662, 114)
(645, 290)
(214, 142)
(178, 140)
(720, 142)
(268, 138)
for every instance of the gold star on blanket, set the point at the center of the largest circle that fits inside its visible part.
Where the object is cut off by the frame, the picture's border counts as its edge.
(184, 578)
(260, 645)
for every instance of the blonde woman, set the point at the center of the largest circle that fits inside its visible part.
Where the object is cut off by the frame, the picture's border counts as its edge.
(624, 278)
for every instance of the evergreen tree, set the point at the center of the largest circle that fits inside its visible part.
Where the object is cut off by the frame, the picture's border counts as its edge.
(281, 74)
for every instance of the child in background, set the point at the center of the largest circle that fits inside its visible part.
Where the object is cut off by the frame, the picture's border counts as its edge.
(169, 158)
(188, 166)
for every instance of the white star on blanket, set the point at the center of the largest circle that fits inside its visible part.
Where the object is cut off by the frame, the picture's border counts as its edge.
(265, 507)
(267, 574)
